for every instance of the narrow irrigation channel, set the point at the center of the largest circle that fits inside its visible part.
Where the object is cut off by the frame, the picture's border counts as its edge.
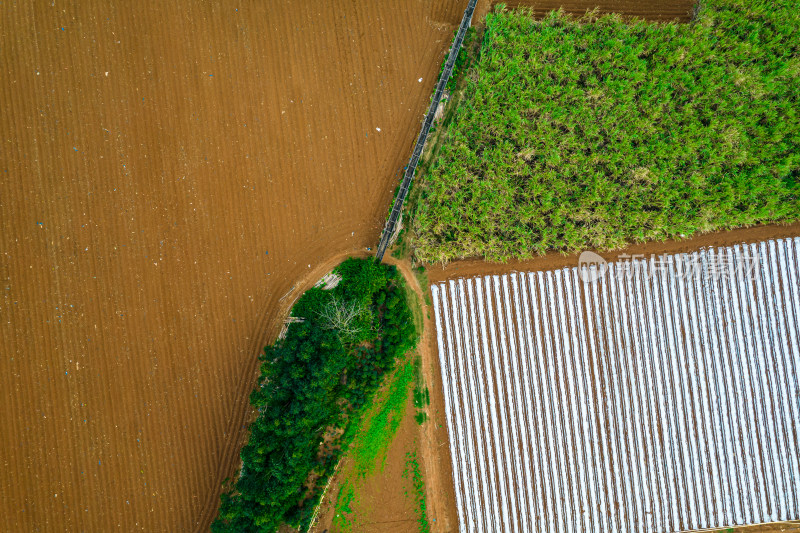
(397, 208)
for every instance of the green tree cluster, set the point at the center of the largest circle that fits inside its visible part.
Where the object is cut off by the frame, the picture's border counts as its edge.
(598, 131)
(313, 386)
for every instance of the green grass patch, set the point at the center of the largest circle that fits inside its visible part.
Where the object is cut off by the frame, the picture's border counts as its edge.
(421, 394)
(401, 249)
(599, 131)
(372, 441)
(414, 304)
(343, 516)
(421, 397)
(424, 282)
(413, 471)
(463, 60)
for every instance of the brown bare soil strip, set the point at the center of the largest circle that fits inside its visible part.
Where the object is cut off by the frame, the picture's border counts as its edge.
(655, 10)
(434, 443)
(385, 500)
(167, 173)
(479, 267)
(788, 527)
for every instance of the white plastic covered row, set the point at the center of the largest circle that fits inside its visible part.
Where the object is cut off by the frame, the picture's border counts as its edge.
(649, 400)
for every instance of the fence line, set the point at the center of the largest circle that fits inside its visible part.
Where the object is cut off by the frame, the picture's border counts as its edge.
(397, 208)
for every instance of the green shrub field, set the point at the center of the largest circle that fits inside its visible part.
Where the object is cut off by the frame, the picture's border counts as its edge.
(315, 385)
(597, 131)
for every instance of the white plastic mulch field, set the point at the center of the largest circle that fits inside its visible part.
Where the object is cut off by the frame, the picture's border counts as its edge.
(661, 397)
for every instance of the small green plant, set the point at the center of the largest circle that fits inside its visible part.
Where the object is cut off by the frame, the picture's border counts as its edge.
(401, 248)
(421, 395)
(422, 277)
(412, 470)
(462, 60)
(343, 515)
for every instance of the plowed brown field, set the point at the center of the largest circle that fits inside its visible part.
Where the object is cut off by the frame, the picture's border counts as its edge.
(166, 175)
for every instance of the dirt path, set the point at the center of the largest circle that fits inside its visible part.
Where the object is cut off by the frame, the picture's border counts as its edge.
(475, 267)
(434, 447)
(167, 174)
(655, 10)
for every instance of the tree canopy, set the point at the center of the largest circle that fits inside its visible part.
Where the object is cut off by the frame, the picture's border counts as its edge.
(313, 384)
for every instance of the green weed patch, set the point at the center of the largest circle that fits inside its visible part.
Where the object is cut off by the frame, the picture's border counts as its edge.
(413, 471)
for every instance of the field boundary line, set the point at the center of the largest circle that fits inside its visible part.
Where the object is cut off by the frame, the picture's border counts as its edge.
(315, 516)
(397, 208)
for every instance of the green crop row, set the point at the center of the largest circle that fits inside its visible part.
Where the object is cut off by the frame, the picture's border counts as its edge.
(598, 131)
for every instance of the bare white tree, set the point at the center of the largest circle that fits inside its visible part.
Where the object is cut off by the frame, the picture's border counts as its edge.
(340, 315)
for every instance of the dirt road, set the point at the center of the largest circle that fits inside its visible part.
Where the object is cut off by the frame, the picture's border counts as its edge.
(655, 10)
(476, 267)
